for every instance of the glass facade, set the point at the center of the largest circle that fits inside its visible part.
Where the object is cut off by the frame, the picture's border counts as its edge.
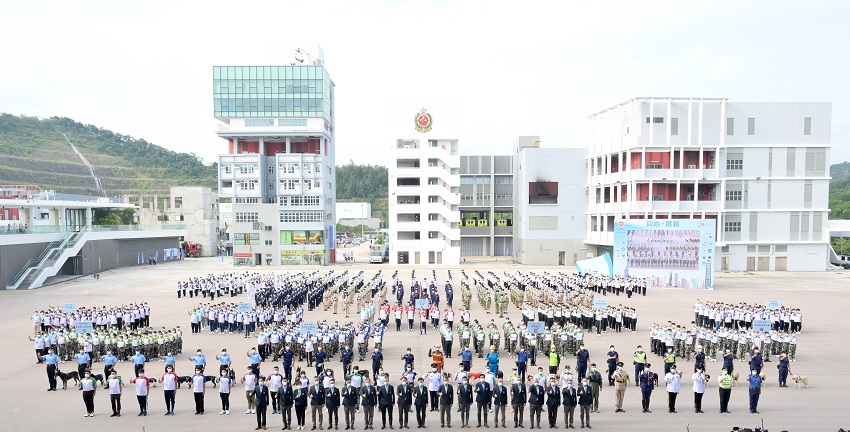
(272, 91)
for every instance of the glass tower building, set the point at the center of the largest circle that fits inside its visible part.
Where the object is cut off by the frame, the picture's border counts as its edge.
(277, 179)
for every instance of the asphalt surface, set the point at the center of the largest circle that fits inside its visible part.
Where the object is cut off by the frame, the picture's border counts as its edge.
(822, 353)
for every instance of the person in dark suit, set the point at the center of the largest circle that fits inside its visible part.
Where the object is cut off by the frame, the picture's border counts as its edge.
(286, 399)
(569, 396)
(332, 400)
(349, 404)
(553, 401)
(518, 399)
(317, 402)
(500, 400)
(369, 398)
(420, 401)
(464, 401)
(648, 380)
(405, 399)
(386, 400)
(535, 403)
(482, 399)
(585, 400)
(261, 402)
(447, 399)
(299, 397)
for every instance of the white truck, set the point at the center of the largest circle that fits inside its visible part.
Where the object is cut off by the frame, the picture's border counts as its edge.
(378, 254)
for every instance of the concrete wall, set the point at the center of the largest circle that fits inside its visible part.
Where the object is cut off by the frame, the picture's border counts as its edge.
(102, 255)
(353, 210)
(542, 231)
(13, 257)
(548, 251)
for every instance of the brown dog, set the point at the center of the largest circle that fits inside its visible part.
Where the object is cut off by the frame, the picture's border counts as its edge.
(800, 381)
(735, 378)
(763, 377)
(65, 377)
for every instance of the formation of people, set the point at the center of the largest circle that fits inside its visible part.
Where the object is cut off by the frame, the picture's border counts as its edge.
(298, 368)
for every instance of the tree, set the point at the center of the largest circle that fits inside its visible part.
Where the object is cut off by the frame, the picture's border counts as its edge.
(110, 219)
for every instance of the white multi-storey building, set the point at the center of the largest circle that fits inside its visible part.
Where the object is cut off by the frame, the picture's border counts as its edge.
(424, 213)
(277, 183)
(758, 170)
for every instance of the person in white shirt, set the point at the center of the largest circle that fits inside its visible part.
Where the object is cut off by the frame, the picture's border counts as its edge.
(250, 381)
(275, 381)
(198, 389)
(114, 382)
(142, 383)
(169, 386)
(700, 380)
(673, 379)
(224, 383)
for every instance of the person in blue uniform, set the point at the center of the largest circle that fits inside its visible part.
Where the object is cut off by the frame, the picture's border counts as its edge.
(755, 390)
(783, 369)
(756, 361)
(648, 380)
(582, 357)
(51, 360)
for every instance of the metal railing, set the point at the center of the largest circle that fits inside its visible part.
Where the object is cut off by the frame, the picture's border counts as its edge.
(54, 229)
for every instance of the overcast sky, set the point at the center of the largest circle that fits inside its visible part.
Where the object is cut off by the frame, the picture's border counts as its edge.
(513, 68)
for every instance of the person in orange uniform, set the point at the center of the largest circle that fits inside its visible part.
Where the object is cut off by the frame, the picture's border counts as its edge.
(437, 357)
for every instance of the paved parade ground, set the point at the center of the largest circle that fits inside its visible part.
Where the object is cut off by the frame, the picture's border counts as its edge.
(822, 354)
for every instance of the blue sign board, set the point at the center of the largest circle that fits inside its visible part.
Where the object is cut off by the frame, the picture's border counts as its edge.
(774, 304)
(761, 325)
(536, 327)
(245, 307)
(84, 327)
(69, 307)
(422, 303)
(600, 303)
(309, 328)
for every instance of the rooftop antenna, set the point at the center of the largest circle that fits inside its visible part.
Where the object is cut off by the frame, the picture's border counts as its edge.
(300, 54)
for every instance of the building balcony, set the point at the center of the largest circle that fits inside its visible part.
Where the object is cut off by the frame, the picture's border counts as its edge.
(474, 230)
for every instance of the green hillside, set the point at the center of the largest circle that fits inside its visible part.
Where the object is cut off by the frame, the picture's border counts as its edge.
(839, 200)
(363, 183)
(34, 151)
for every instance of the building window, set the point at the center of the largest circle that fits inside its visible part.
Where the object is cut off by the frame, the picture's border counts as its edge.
(248, 185)
(289, 184)
(301, 217)
(467, 180)
(504, 180)
(228, 168)
(245, 168)
(247, 217)
(751, 126)
(733, 195)
(734, 164)
(656, 119)
(807, 126)
(259, 122)
(543, 192)
(292, 122)
(731, 226)
(242, 200)
(271, 169)
(504, 196)
(674, 126)
(730, 126)
(268, 242)
(178, 202)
